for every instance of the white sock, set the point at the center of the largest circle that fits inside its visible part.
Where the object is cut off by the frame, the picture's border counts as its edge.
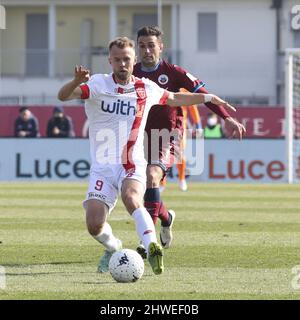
(106, 237)
(144, 226)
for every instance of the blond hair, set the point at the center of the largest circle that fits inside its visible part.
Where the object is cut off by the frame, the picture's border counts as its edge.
(121, 42)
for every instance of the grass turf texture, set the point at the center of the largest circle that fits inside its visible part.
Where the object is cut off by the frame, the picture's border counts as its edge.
(232, 241)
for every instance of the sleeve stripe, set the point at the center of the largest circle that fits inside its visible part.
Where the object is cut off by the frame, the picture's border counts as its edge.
(164, 98)
(200, 85)
(85, 91)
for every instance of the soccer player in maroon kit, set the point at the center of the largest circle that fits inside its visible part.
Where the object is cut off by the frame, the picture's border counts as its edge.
(170, 77)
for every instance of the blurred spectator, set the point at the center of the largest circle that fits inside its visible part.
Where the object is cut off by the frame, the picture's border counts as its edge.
(26, 125)
(213, 128)
(60, 125)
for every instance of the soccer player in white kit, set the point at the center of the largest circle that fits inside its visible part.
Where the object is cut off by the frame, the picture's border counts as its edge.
(117, 106)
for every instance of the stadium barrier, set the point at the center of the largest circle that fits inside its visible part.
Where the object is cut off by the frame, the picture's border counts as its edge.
(259, 160)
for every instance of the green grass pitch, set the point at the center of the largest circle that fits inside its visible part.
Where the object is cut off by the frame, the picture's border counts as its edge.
(232, 241)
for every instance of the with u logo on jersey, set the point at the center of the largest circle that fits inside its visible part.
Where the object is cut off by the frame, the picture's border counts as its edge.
(119, 107)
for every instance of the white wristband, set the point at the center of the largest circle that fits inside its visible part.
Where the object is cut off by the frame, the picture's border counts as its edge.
(208, 97)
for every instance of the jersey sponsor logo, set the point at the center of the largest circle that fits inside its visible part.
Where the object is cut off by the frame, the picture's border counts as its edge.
(163, 79)
(118, 107)
(124, 90)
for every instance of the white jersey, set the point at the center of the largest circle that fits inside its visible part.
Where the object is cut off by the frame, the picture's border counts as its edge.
(117, 116)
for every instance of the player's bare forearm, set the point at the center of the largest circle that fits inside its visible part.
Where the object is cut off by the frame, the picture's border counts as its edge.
(187, 99)
(70, 91)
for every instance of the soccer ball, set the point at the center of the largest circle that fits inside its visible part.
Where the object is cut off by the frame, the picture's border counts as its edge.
(126, 265)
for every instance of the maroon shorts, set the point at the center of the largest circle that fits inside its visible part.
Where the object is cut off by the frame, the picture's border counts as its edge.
(164, 132)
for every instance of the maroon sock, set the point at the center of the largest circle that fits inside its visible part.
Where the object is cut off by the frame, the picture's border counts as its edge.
(155, 206)
(163, 214)
(153, 209)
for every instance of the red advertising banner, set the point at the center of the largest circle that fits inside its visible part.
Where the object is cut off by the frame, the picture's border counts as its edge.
(260, 121)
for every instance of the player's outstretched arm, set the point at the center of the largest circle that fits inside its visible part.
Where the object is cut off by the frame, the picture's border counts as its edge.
(71, 90)
(176, 99)
(233, 127)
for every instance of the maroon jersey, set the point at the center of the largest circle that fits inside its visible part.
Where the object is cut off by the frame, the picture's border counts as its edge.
(171, 78)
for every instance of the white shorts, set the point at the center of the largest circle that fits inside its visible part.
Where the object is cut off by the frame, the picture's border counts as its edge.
(105, 183)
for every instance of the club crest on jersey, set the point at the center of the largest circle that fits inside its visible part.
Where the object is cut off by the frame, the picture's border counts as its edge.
(163, 79)
(141, 93)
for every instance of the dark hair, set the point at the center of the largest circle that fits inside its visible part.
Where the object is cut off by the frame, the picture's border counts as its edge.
(22, 109)
(150, 31)
(121, 42)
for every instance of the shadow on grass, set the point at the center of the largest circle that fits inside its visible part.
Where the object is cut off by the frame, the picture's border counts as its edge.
(34, 274)
(97, 282)
(22, 265)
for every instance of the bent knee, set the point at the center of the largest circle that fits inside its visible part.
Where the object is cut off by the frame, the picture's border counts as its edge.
(154, 176)
(130, 199)
(132, 202)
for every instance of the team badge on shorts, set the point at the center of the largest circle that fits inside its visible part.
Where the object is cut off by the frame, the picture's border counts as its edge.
(163, 79)
(130, 172)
